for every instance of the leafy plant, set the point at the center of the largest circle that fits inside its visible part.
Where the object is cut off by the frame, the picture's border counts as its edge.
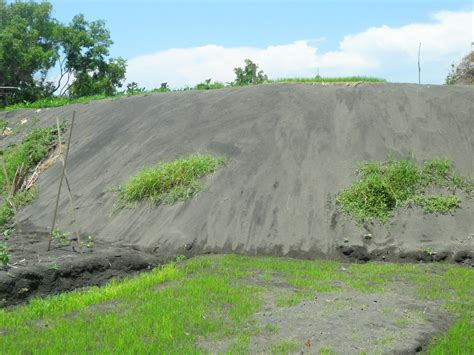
(62, 238)
(134, 89)
(89, 243)
(55, 267)
(169, 182)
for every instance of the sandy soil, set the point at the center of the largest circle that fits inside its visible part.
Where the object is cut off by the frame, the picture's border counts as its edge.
(290, 148)
(36, 272)
(346, 322)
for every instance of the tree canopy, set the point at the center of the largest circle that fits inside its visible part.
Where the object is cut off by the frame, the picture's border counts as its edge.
(32, 43)
(243, 76)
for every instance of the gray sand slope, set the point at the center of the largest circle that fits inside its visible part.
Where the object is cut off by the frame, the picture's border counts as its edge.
(290, 150)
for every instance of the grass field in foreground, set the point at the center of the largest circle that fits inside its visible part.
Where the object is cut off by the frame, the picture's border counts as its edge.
(171, 308)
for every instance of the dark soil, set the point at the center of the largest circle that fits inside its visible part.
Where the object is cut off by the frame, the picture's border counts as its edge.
(345, 322)
(34, 271)
(290, 149)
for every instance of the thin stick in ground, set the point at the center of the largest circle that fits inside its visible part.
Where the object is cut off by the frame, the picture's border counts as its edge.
(53, 224)
(68, 186)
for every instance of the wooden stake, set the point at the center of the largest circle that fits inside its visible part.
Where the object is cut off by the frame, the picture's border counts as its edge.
(419, 65)
(61, 182)
(71, 201)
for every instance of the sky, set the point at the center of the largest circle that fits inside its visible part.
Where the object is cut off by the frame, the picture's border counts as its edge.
(185, 42)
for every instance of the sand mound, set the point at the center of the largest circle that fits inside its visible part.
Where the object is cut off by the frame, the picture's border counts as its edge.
(290, 148)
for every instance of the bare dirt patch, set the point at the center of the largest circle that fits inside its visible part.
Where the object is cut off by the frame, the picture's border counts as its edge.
(342, 322)
(37, 272)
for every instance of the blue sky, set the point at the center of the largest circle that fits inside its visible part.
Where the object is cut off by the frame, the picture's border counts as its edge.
(148, 34)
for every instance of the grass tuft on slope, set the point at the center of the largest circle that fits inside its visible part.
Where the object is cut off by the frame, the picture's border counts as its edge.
(383, 187)
(177, 180)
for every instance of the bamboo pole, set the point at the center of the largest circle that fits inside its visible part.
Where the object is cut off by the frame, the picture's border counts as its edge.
(71, 201)
(61, 182)
(419, 64)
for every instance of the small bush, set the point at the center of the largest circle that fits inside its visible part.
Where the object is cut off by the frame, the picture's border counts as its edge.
(383, 187)
(168, 182)
(209, 85)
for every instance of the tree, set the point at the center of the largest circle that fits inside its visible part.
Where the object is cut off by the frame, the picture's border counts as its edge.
(32, 43)
(244, 76)
(27, 47)
(85, 46)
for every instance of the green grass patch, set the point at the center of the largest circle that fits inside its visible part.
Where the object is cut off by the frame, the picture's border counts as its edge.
(285, 346)
(35, 147)
(54, 102)
(384, 187)
(322, 80)
(172, 308)
(168, 182)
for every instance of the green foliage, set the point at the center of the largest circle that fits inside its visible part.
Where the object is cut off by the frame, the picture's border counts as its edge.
(86, 47)
(243, 76)
(163, 88)
(3, 124)
(89, 243)
(55, 101)
(169, 182)
(383, 187)
(437, 204)
(26, 155)
(62, 238)
(4, 254)
(458, 340)
(34, 148)
(28, 48)
(20, 199)
(321, 80)
(32, 42)
(285, 346)
(209, 85)
(134, 89)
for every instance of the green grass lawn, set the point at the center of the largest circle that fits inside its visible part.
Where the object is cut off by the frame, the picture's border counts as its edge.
(172, 308)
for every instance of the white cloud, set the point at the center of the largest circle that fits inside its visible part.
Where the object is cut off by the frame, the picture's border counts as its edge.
(390, 52)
